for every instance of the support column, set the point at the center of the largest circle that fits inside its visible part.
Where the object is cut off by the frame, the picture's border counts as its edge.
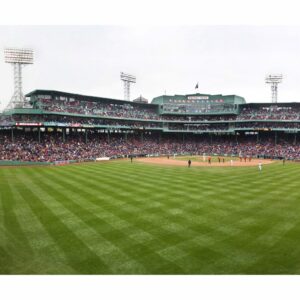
(257, 137)
(108, 138)
(39, 134)
(295, 139)
(142, 136)
(64, 134)
(12, 135)
(275, 138)
(86, 136)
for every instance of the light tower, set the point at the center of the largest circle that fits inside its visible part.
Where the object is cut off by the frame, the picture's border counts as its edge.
(274, 80)
(127, 80)
(18, 58)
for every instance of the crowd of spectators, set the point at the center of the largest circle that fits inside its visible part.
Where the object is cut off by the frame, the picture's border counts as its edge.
(198, 118)
(268, 125)
(273, 112)
(70, 121)
(92, 120)
(52, 147)
(191, 125)
(198, 127)
(199, 108)
(125, 110)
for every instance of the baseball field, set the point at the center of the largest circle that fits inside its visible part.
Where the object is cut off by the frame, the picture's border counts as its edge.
(119, 217)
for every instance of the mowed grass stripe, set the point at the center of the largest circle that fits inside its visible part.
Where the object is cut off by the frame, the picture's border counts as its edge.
(13, 236)
(6, 238)
(108, 196)
(187, 221)
(161, 220)
(10, 220)
(148, 203)
(78, 255)
(114, 193)
(165, 187)
(121, 238)
(102, 231)
(44, 256)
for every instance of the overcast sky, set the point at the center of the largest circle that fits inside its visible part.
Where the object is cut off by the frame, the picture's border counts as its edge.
(89, 59)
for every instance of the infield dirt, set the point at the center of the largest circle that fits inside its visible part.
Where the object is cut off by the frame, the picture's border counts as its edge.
(176, 162)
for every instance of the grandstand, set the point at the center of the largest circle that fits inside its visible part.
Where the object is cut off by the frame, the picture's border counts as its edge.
(60, 126)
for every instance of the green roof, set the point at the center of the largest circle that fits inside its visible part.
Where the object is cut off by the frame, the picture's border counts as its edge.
(234, 99)
(84, 97)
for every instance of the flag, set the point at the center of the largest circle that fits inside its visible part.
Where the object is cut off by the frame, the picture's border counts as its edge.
(196, 86)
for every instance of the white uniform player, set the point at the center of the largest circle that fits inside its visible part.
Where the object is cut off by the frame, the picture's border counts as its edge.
(260, 166)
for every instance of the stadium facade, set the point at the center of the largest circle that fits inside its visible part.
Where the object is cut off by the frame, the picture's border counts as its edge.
(194, 104)
(193, 118)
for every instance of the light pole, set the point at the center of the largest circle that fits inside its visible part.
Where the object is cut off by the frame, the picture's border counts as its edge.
(18, 58)
(274, 80)
(127, 79)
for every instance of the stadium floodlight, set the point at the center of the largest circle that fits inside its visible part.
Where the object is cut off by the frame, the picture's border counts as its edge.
(18, 58)
(127, 79)
(274, 80)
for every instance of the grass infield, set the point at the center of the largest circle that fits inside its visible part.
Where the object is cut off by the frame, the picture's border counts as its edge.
(131, 218)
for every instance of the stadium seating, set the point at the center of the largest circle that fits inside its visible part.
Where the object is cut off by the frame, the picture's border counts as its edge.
(78, 146)
(66, 128)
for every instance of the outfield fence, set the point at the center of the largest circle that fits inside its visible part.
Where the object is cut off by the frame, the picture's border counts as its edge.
(22, 163)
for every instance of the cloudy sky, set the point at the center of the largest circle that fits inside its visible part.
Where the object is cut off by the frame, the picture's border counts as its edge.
(223, 59)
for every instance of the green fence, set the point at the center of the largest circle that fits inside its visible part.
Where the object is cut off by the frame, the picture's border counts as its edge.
(29, 163)
(22, 163)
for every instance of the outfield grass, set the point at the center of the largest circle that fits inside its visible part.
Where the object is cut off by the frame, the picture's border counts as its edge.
(123, 218)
